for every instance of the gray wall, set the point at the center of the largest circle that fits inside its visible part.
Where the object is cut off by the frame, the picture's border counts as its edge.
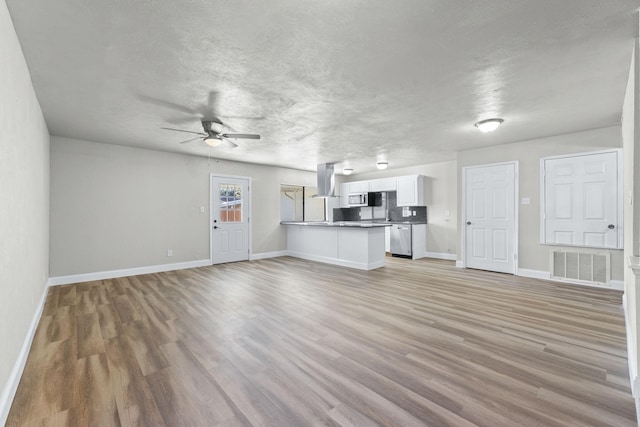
(24, 202)
(116, 207)
(532, 254)
(440, 196)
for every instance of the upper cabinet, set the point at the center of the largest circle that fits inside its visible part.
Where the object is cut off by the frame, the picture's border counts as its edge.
(358, 187)
(344, 195)
(410, 190)
(384, 184)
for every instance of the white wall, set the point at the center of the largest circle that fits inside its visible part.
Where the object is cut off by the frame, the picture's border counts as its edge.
(630, 138)
(440, 196)
(24, 206)
(116, 207)
(533, 255)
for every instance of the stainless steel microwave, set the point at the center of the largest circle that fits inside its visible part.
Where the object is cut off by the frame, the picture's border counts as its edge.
(359, 199)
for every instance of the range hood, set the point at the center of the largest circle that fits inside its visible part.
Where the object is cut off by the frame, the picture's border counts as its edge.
(326, 180)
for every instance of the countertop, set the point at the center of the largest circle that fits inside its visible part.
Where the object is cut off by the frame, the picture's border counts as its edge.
(358, 224)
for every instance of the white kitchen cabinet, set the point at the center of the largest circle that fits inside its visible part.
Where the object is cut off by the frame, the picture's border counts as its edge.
(354, 247)
(418, 240)
(383, 184)
(410, 190)
(358, 187)
(387, 239)
(344, 195)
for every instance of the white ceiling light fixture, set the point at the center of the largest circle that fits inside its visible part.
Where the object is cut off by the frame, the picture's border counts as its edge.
(488, 125)
(212, 142)
(382, 165)
(347, 171)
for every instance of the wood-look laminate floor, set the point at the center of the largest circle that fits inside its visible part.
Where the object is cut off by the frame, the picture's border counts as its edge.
(287, 342)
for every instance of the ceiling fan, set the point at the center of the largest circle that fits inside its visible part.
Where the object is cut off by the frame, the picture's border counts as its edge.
(214, 138)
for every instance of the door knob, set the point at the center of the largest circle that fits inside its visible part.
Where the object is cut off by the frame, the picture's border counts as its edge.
(468, 222)
(215, 227)
(611, 226)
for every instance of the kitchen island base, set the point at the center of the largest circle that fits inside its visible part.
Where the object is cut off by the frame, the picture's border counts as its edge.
(354, 247)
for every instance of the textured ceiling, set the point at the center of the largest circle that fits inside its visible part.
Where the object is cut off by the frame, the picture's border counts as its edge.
(345, 81)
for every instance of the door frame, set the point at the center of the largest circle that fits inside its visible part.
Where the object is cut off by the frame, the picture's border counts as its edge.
(516, 198)
(249, 212)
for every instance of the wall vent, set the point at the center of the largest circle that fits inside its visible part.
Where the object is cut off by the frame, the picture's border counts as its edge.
(581, 267)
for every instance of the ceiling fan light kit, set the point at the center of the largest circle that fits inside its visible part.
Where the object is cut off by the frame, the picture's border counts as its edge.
(382, 165)
(213, 138)
(212, 142)
(488, 125)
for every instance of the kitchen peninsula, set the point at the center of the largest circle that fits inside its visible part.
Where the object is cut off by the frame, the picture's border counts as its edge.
(349, 244)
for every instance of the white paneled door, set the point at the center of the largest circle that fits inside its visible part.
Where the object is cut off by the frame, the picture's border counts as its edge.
(581, 204)
(490, 217)
(230, 219)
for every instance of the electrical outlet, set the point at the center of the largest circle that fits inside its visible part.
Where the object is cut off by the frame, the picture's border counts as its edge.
(170, 252)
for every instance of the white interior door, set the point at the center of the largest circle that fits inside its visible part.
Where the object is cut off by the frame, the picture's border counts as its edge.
(581, 200)
(490, 217)
(230, 219)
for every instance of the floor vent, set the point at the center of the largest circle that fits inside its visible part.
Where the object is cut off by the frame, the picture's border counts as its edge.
(581, 267)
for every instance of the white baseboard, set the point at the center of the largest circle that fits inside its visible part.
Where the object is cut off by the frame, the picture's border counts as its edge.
(459, 264)
(545, 275)
(265, 255)
(441, 255)
(631, 352)
(617, 284)
(536, 274)
(102, 275)
(336, 261)
(10, 388)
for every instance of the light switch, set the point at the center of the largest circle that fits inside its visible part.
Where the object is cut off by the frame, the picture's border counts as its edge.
(201, 209)
(526, 201)
(447, 213)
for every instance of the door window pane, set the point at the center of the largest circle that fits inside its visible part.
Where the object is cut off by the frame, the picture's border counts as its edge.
(230, 203)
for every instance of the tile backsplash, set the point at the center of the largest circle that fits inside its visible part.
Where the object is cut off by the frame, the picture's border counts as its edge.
(388, 210)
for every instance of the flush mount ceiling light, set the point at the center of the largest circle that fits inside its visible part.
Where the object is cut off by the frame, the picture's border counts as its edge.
(488, 125)
(212, 142)
(382, 165)
(347, 171)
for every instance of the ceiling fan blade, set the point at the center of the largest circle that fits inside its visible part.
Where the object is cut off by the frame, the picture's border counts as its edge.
(189, 140)
(231, 143)
(240, 135)
(185, 131)
(166, 104)
(244, 117)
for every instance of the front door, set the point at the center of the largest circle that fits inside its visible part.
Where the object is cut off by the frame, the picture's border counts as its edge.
(490, 218)
(230, 219)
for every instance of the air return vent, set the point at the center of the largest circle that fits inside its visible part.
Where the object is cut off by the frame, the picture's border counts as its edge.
(581, 267)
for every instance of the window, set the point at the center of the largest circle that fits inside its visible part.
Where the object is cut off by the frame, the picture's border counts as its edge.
(581, 197)
(298, 204)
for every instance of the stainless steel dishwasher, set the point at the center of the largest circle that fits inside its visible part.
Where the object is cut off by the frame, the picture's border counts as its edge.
(401, 240)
